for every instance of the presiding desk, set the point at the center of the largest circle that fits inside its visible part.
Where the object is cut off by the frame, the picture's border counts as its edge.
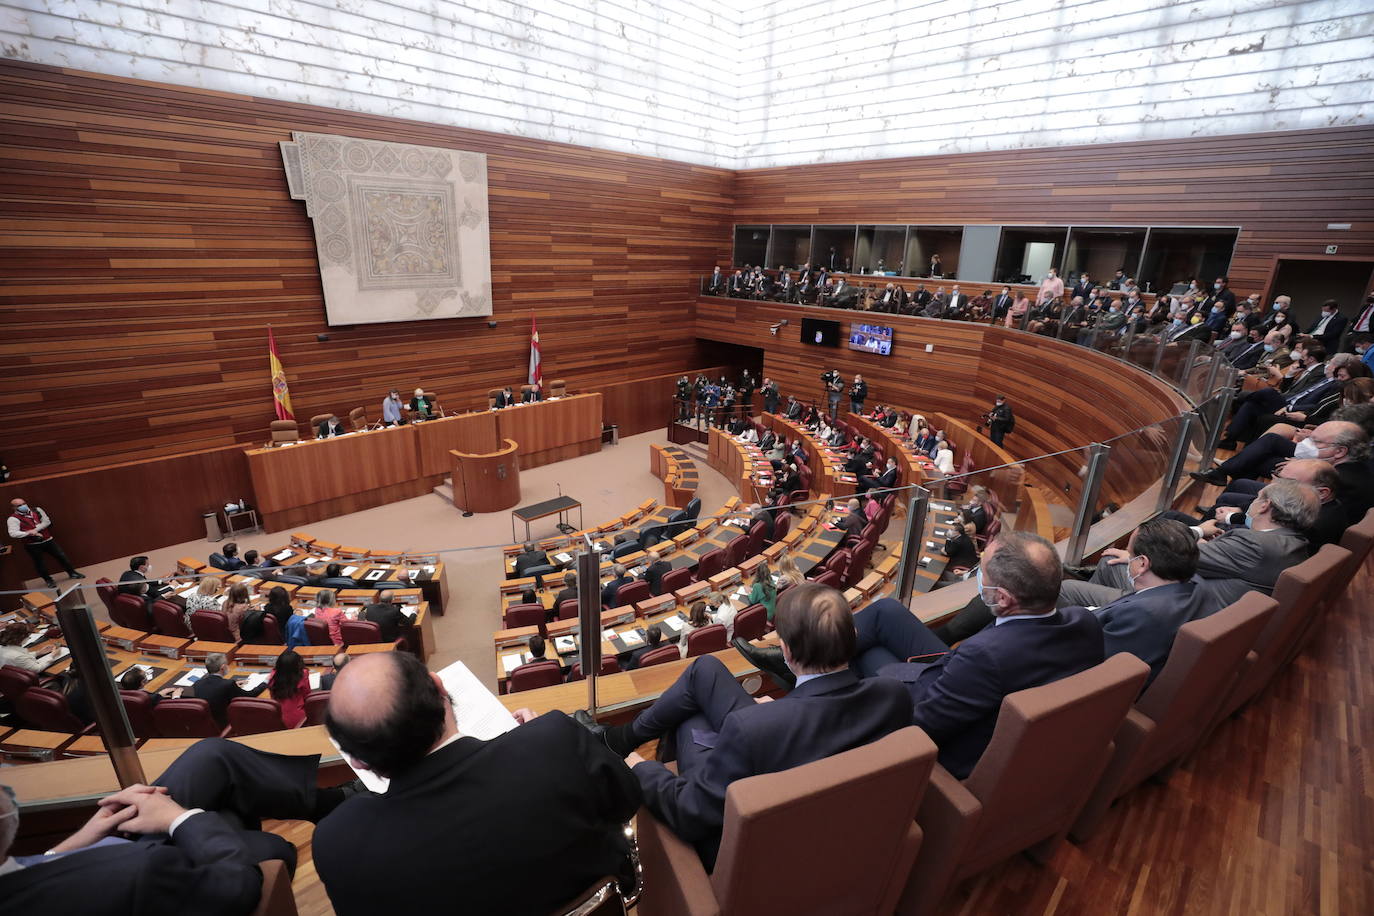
(316, 479)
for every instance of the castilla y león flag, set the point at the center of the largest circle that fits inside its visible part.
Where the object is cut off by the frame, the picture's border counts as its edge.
(536, 358)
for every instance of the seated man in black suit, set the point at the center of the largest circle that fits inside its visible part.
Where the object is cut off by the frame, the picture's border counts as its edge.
(854, 521)
(722, 734)
(388, 616)
(216, 689)
(131, 581)
(619, 576)
(655, 570)
(568, 593)
(519, 824)
(531, 395)
(232, 562)
(336, 664)
(531, 558)
(883, 481)
(653, 639)
(505, 397)
(190, 854)
(333, 578)
(330, 426)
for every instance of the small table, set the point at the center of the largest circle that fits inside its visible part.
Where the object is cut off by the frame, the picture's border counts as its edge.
(229, 517)
(559, 505)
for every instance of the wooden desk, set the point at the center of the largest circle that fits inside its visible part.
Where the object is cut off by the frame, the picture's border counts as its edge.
(474, 433)
(322, 478)
(551, 431)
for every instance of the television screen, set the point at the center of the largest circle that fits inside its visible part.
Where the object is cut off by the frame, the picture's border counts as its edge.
(819, 331)
(871, 338)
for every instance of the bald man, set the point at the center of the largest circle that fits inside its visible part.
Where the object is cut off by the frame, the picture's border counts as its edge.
(723, 735)
(30, 526)
(519, 824)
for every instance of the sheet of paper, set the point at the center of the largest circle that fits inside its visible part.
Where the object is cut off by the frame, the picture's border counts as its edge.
(282, 555)
(375, 575)
(33, 638)
(349, 570)
(608, 635)
(632, 638)
(57, 656)
(673, 623)
(511, 662)
(565, 643)
(560, 557)
(254, 681)
(477, 710)
(190, 677)
(374, 783)
(311, 561)
(314, 680)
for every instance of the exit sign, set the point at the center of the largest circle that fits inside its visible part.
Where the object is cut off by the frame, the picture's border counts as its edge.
(1330, 249)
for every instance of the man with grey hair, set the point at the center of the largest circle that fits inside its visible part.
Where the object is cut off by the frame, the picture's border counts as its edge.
(216, 689)
(619, 576)
(655, 570)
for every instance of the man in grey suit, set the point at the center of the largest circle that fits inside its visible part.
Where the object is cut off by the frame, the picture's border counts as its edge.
(1162, 567)
(1236, 561)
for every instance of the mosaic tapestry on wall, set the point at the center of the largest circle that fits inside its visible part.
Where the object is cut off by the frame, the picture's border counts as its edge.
(401, 231)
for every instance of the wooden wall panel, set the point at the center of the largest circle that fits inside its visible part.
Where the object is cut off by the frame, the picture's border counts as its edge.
(1282, 189)
(147, 240)
(643, 404)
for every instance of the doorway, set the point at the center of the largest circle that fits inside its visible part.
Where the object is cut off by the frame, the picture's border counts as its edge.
(1313, 281)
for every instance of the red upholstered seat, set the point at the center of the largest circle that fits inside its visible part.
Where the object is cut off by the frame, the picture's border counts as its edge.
(608, 666)
(271, 632)
(706, 639)
(782, 523)
(535, 674)
(567, 610)
(675, 579)
(254, 715)
(130, 611)
(736, 551)
(712, 562)
(14, 681)
(317, 631)
(170, 619)
(752, 622)
(830, 578)
(525, 615)
(138, 706)
(47, 710)
(316, 705)
(659, 656)
(211, 626)
(631, 592)
(186, 718)
(107, 592)
(360, 632)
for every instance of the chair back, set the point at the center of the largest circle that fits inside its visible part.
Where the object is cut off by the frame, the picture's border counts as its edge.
(735, 551)
(558, 388)
(710, 638)
(535, 674)
(711, 562)
(360, 632)
(1047, 752)
(631, 592)
(829, 577)
(867, 798)
(271, 632)
(219, 561)
(277, 898)
(1173, 715)
(659, 656)
(358, 417)
(130, 611)
(608, 666)
(752, 622)
(525, 615)
(317, 631)
(170, 619)
(107, 591)
(838, 562)
(185, 718)
(316, 420)
(138, 706)
(284, 431)
(211, 626)
(14, 681)
(858, 562)
(758, 539)
(782, 523)
(47, 710)
(1359, 540)
(567, 610)
(675, 579)
(316, 705)
(693, 508)
(254, 716)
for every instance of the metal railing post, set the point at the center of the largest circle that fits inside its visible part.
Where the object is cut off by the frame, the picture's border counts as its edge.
(88, 657)
(1087, 503)
(589, 620)
(912, 543)
(1176, 461)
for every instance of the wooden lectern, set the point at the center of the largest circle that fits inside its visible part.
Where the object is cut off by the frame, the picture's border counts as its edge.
(487, 483)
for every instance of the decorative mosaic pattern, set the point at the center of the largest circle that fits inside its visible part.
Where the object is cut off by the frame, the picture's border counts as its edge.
(401, 231)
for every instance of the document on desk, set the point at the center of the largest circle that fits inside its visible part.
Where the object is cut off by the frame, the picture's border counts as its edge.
(190, 677)
(283, 554)
(253, 681)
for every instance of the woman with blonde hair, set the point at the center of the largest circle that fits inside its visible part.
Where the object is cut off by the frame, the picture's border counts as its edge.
(788, 574)
(332, 615)
(206, 597)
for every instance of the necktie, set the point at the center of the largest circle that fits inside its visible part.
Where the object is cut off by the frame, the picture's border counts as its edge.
(1363, 323)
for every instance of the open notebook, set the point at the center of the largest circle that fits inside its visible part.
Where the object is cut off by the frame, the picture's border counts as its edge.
(477, 710)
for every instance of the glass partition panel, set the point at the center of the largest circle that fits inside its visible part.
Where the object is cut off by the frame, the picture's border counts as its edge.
(789, 246)
(880, 249)
(1026, 253)
(751, 245)
(1100, 253)
(924, 244)
(1175, 256)
(1137, 462)
(832, 247)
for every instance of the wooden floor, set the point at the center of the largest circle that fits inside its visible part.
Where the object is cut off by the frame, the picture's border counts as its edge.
(1275, 816)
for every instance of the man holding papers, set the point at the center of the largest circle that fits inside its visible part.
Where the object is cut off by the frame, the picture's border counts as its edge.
(520, 823)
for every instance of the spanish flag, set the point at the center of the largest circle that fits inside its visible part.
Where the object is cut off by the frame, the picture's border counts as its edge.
(281, 394)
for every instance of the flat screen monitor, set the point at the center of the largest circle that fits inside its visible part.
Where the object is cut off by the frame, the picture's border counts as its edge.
(820, 332)
(870, 338)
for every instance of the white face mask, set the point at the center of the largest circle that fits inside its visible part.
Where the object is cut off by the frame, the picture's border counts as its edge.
(1237, 335)
(1128, 570)
(1307, 449)
(983, 591)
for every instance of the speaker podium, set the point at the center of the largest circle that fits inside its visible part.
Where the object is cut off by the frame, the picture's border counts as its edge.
(488, 482)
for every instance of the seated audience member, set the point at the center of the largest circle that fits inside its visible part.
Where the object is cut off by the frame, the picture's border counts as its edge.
(336, 664)
(137, 679)
(422, 406)
(187, 857)
(788, 573)
(698, 616)
(279, 606)
(393, 409)
(230, 552)
(763, 591)
(625, 543)
(853, 522)
(829, 711)
(456, 818)
(655, 569)
(289, 684)
(944, 459)
(619, 577)
(205, 598)
(252, 561)
(530, 559)
(653, 638)
(216, 689)
(1332, 517)
(132, 581)
(883, 481)
(505, 398)
(568, 593)
(236, 606)
(330, 426)
(292, 575)
(531, 395)
(333, 578)
(388, 616)
(327, 610)
(976, 510)
(961, 550)
(957, 694)
(537, 649)
(13, 653)
(1334, 441)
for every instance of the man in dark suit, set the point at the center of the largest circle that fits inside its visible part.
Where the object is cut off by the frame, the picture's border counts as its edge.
(770, 396)
(333, 578)
(1082, 288)
(888, 478)
(957, 696)
(216, 689)
(387, 615)
(1000, 420)
(329, 426)
(189, 855)
(1330, 326)
(655, 570)
(619, 577)
(528, 560)
(422, 405)
(1001, 304)
(505, 398)
(568, 593)
(336, 664)
(758, 515)
(653, 639)
(457, 818)
(132, 579)
(722, 734)
(853, 522)
(531, 395)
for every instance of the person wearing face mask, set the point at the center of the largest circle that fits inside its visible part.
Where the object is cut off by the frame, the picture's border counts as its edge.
(1234, 343)
(30, 526)
(1333, 518)
(1260, 353)
(1363, 345)
(1216, 318)
(1221, 292)
(1114, 319)
(1052, 287)
(1330, 326)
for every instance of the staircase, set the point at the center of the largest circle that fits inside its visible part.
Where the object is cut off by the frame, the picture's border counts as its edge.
(445, 490)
